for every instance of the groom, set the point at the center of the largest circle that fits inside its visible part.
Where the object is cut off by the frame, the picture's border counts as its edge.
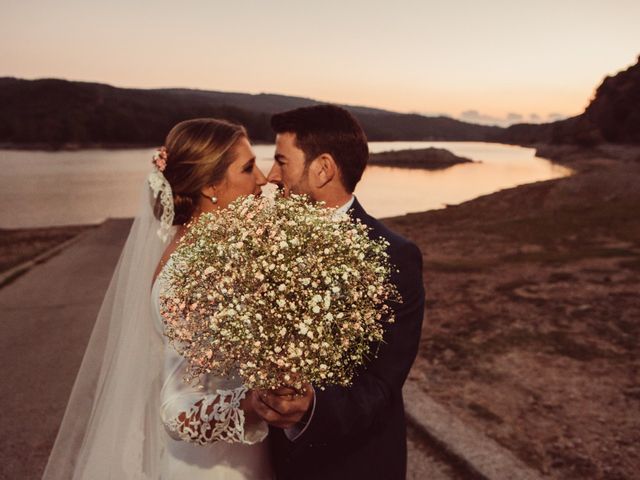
(359, 431)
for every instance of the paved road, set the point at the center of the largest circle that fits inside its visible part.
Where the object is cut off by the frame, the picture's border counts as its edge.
(46, 317)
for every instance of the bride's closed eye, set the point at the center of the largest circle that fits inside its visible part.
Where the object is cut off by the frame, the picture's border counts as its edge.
(248, 168)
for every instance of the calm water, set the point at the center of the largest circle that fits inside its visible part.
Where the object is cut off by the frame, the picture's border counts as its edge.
(65, 188)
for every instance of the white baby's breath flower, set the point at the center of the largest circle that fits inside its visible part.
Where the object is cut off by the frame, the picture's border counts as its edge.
(277, 275)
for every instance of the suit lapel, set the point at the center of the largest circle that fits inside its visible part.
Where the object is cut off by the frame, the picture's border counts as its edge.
(356, 211)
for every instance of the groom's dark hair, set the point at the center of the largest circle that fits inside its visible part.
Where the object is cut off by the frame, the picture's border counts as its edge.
(328, 129)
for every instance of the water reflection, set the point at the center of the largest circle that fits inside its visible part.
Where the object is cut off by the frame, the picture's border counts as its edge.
(62, 188)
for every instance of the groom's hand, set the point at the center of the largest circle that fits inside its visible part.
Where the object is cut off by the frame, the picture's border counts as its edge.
(284, 407)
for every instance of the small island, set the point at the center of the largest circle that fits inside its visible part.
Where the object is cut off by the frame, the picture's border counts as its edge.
(430, 158)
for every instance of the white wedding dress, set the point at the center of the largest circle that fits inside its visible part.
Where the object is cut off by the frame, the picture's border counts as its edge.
(125, 418)
(195, 451)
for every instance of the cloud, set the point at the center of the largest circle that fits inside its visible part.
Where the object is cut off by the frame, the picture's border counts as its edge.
(514, 117)
(553, 117)
(474, 116)
(431, 114)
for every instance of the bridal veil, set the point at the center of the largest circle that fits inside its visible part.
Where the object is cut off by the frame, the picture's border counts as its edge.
(111, 427)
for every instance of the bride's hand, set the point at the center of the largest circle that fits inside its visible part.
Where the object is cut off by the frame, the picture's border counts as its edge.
(247, 405)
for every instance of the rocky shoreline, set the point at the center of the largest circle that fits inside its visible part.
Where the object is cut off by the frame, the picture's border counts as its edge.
(532, 327)
(20, 245)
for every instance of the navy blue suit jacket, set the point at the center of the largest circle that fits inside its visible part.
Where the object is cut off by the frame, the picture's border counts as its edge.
(359, 431)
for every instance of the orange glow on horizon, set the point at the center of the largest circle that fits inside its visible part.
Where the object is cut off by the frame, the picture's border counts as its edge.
(497, 58)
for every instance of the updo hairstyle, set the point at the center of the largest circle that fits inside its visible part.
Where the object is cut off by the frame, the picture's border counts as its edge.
(198, 155)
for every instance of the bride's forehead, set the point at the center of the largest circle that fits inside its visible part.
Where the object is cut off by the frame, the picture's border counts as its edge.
(242, 150)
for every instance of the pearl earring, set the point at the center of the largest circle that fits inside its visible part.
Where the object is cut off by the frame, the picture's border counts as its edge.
(214, 200)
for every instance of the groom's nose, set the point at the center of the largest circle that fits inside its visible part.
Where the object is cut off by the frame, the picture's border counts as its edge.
(275, 175)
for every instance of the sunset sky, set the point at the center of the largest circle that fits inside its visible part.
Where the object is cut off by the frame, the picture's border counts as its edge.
(483, 61)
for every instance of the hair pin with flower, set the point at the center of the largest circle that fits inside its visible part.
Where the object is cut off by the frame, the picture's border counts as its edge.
(160, 187)
(160, 158)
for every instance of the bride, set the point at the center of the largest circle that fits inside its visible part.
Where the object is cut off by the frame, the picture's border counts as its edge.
(130, 415)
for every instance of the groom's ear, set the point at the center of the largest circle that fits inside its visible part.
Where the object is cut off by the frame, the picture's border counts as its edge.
(323, 170)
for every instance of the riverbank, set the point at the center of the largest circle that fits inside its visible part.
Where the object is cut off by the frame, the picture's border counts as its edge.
(532, 327)
(20, 245)
(532, 324)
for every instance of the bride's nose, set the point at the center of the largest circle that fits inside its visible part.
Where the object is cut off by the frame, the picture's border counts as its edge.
(261, 180)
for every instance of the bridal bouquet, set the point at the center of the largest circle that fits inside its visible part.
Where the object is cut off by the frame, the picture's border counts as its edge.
(278, 290)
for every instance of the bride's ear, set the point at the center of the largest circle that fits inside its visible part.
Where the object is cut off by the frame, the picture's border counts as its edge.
(210, 191)
(323, 170)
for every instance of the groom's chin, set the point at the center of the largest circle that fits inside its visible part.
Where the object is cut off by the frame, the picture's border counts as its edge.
(295, 190)
(284, 191)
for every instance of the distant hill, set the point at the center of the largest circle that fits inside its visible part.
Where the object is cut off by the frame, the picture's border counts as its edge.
(613, 116)
(54, 113)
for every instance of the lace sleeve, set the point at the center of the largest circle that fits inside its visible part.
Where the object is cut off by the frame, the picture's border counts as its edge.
(214, 417)
(206, 415)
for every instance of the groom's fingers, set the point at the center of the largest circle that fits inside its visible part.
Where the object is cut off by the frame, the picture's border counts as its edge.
(268, 400)
(284, 391)
(271, 416)
(268, 408)
(281, 404)
(293, 407)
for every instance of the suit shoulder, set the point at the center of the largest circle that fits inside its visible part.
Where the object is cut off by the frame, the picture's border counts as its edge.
(399, 246)
(396, 241)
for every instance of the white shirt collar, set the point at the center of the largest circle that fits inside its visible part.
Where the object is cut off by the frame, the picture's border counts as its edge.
(344, 208)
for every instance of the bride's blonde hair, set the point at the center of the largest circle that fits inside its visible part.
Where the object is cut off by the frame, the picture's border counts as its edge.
(199, 151)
